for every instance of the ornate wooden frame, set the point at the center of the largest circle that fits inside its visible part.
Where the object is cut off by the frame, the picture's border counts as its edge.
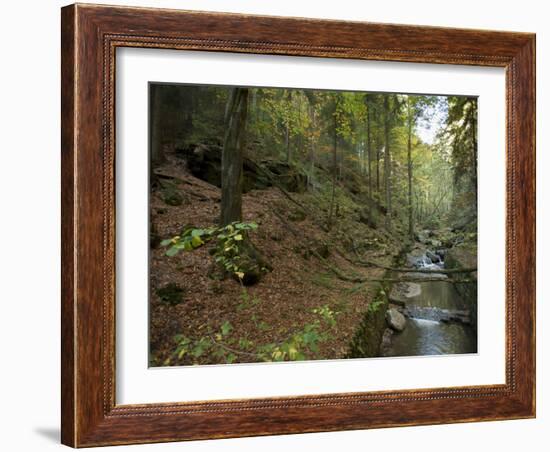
(90, 35)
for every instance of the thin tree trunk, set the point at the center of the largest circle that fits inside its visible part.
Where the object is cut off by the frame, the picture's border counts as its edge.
(312, 147)
(287, 143)
(334, 173)
(232, 156)
(377, 165)
(156, 122)
(369, 150)
(409, 168)
(474, 148)
(340, 163)
(387, 161)
(287, 132)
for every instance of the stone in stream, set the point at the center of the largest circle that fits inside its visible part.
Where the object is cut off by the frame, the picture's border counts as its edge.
(395, 319)
(401, 292)
(434, 257)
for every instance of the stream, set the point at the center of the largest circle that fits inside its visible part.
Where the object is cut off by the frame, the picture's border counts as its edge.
(438, 318)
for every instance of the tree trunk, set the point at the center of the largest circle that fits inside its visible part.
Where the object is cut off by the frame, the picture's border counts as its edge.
(340, 163)
(334, 173)
(312, 147)
(377, 165)
(409, 169)
(369, 157)
(287, 142)
(156, 122)
(474, 148)
(287, 132)
(387, 161)
(232, 156)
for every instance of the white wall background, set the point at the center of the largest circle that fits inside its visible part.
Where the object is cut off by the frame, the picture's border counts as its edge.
(29, 254)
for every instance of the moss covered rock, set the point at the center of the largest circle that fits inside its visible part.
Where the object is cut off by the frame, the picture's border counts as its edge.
(465, 256)
(252, 264)
(368, 338)
(171, 294)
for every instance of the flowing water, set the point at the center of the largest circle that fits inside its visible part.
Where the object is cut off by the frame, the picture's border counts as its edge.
(425, 333)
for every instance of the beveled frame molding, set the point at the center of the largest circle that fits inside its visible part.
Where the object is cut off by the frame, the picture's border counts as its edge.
(90, 36)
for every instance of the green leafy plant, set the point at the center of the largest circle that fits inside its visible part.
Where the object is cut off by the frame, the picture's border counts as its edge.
(228, 239)
(246, 300)
(328, 315)
(299, 346)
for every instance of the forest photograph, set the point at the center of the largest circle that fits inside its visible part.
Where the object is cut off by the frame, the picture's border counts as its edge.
(290, 224)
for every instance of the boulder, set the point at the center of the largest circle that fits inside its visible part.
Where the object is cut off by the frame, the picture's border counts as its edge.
(171, 194)
(395, 319)
(171, 294)
(172, 197)
(401, 293)
(204, 162)
(434, 257)
(461, 257)
(284, 174)
(252, 264)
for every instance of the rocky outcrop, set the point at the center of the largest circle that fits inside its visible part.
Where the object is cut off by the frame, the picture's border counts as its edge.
(368, 338)
(204, 162)
(444, 237)
(461, 256)
(465, 256)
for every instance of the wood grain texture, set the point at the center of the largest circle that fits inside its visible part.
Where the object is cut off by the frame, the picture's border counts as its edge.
(67, 224)
(90, 36)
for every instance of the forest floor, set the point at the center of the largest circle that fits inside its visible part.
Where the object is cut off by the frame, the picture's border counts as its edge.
(301, 289)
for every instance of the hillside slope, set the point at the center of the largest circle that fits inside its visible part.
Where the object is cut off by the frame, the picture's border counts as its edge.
(302, 309)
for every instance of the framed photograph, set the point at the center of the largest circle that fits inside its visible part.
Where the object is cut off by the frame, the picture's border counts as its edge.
(281, 225)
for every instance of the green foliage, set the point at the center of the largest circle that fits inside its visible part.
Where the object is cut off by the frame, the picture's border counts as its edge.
(327, 315)
(246, 301)
(222, 345)
(228, 240)
(310, 124)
